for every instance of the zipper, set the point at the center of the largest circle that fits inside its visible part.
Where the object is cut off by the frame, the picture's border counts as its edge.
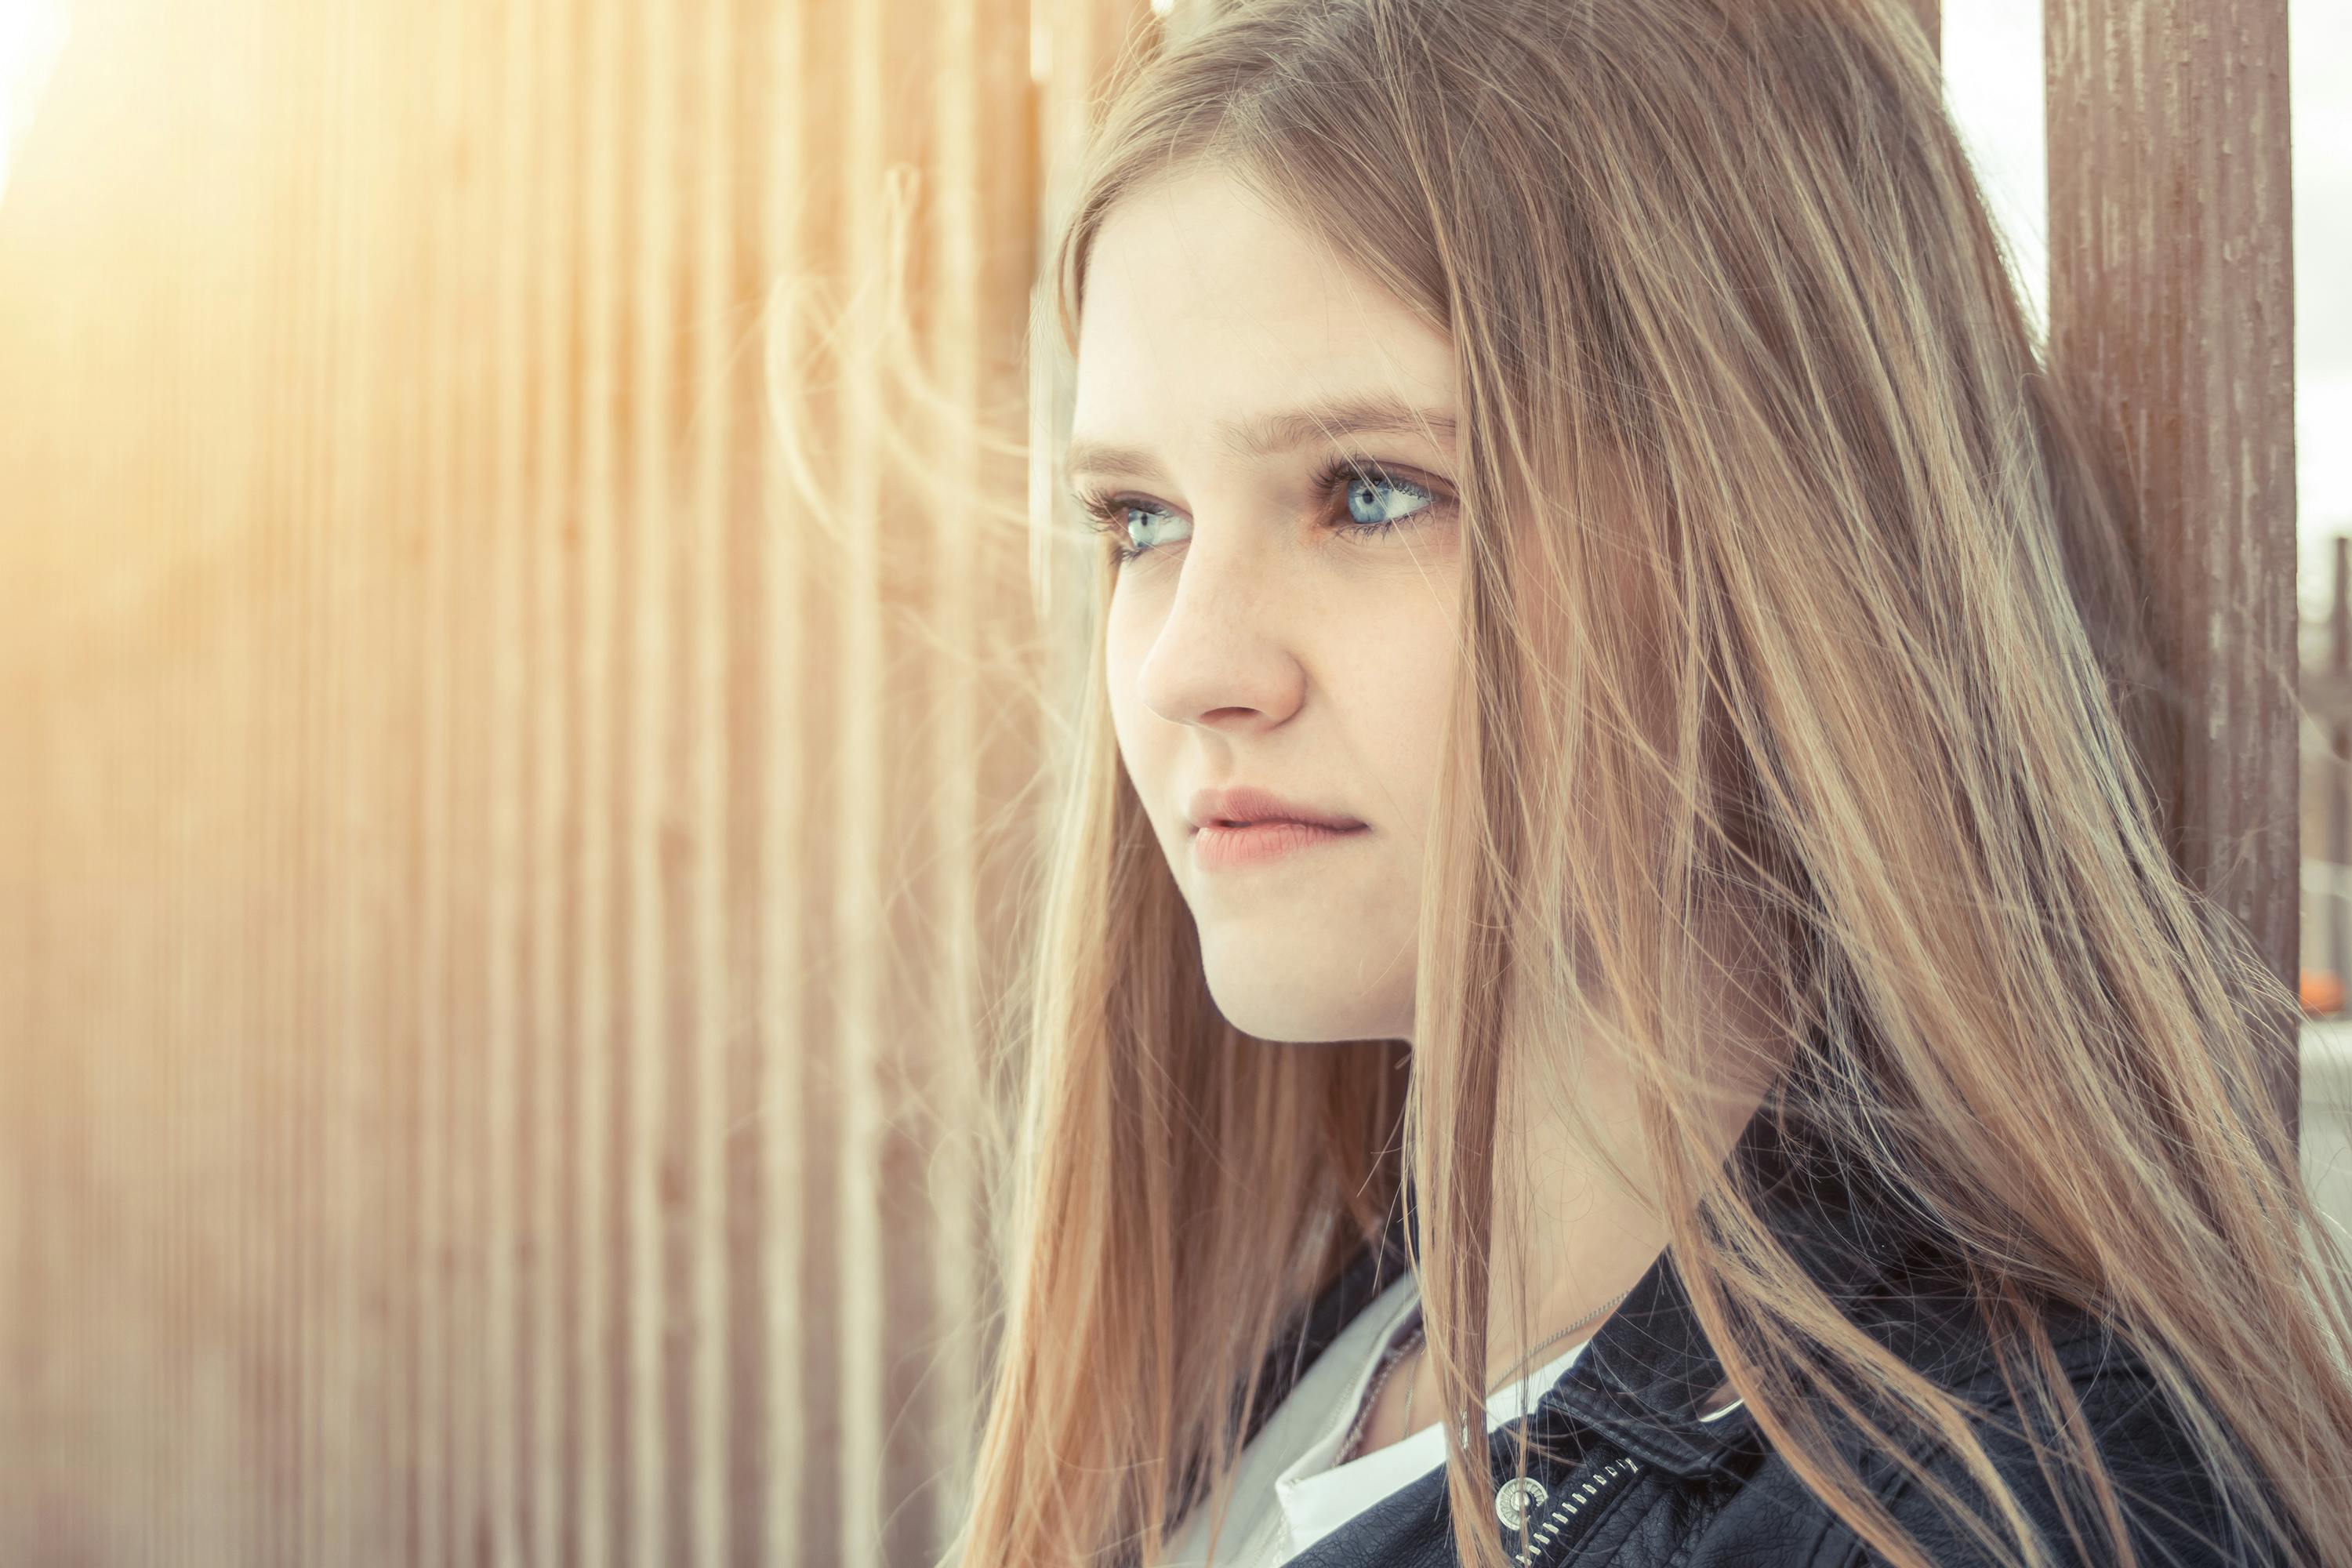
(1541, 1537)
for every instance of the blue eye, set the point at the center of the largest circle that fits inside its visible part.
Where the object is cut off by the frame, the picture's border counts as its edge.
(1366, 487)
(1116, 517)
(1361, 494)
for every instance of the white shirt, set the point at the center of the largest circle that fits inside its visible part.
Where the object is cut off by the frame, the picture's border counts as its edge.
(1287, 1494)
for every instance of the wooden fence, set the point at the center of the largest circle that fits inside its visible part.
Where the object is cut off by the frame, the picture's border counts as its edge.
(500, 911)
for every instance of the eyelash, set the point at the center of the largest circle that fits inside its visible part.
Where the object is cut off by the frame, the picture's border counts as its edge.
(1107, 511)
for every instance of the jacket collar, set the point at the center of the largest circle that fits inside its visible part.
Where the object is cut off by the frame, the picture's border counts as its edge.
(1644, 1379)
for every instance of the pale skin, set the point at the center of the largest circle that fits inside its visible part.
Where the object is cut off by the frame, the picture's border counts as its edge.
(1259, 639)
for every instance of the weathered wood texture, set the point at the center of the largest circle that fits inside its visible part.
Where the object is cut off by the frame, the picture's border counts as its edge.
(2337, 829)
(508, 838)
(2171, 297)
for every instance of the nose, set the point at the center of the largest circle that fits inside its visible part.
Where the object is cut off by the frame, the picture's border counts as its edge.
(1223, 652)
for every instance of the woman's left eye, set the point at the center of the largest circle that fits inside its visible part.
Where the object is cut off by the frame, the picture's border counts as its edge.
(1364, 488)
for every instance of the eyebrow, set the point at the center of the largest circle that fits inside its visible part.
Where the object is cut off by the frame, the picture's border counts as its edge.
(1266, 435)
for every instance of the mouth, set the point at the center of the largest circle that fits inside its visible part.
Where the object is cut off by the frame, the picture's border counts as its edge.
(1250, 806)
(1222, 845)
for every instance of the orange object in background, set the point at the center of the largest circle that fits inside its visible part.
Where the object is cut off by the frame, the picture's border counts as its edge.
(2323, 992)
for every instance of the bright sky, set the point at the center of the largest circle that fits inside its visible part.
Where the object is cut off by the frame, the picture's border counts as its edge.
(1992, 69)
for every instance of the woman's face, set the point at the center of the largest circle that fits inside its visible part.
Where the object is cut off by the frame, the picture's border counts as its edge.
(1266, 637)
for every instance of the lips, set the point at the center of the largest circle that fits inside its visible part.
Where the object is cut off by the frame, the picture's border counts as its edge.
(1245, 804)
(1216, 846)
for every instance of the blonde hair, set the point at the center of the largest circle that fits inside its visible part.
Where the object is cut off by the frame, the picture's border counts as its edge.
(1790, 583)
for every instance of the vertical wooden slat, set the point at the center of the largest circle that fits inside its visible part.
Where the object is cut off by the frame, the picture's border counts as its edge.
(2171, 299)
(469, 522)
(438, 1025)
(743, 1135)
(857, 906)
(653, 1050)
(507, 1041)
(411, 1008)
(703, 684)
(557, 1056)
(782, 1071)
(2338, 785)
(351, 614)
(384, 828)
(957, 153)
(911, 574)
(820, 212)
(601, 1487)
(292, 608)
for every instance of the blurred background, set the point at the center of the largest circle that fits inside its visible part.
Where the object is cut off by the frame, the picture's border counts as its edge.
(515, 792)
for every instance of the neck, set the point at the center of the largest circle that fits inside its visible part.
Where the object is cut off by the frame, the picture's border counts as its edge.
(1569, 1237)
(1571, 1233)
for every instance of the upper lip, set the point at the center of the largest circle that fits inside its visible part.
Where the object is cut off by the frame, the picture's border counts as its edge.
(1244, 803)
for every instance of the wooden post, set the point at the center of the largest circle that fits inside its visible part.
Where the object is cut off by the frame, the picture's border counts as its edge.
(2171, 298)
(2339, 756)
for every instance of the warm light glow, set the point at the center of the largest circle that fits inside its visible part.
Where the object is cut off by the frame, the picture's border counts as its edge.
(1041, 48)
(32, 36)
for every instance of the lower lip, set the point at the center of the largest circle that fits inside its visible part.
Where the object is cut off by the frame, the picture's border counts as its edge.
(1217, 847)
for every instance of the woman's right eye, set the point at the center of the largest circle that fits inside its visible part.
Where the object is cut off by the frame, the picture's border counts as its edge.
(1113, 516)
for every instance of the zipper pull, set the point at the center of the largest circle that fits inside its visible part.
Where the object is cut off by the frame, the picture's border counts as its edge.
(1516, 1498)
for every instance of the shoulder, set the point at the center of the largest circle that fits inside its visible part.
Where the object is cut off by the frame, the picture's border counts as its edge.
(2171, 1501)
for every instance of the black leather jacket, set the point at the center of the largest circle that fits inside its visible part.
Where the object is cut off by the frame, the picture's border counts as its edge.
(1623, 1471)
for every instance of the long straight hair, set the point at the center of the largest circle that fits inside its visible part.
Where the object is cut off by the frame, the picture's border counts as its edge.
(1793, 585)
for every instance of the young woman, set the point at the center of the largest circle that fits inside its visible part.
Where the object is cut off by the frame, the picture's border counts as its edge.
(1611, 989)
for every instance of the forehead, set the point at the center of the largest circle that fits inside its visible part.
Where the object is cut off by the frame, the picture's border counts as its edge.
(1209, 315)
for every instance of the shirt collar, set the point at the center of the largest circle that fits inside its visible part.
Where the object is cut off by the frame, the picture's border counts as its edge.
(1644, 1378)
(1644, 1381)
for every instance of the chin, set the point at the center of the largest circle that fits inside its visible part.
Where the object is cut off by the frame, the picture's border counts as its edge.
(1280, 1008)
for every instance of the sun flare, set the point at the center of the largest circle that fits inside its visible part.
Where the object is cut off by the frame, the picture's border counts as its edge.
(32, 36)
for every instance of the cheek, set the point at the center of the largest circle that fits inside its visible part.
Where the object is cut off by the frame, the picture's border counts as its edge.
(1125, 728)
(1404, 686)
(1417, 732)
(1141, 738)
(1128, 630)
